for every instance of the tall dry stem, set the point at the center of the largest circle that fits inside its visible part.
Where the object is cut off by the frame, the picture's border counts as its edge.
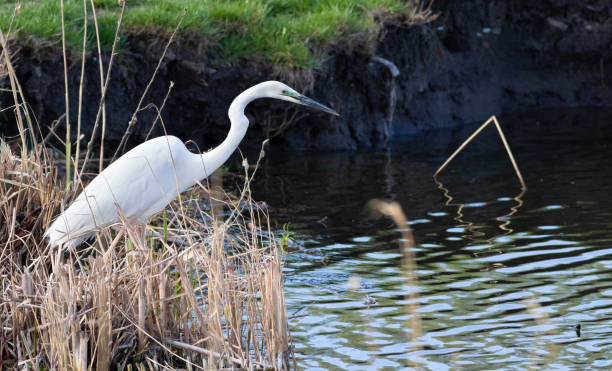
(102, 83)
(134, 120)
(394, 211)
(66, 95)
(80, 106)
(101, 106)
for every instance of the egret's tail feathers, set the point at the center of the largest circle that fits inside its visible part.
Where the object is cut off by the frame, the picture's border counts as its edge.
(57, 235)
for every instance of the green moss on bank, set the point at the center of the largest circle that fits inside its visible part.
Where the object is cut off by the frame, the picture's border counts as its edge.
(293, 33)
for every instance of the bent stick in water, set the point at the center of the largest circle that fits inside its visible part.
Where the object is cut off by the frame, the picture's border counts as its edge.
(504, 141)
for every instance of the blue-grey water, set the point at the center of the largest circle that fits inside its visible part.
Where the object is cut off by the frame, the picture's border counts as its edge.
(504, 276)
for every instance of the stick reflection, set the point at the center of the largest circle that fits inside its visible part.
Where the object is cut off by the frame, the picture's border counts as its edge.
(473, 233)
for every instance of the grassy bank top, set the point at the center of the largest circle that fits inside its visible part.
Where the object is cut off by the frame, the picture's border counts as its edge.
(294, 33)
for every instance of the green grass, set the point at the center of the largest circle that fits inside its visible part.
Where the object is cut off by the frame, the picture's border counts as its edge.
(294, 33)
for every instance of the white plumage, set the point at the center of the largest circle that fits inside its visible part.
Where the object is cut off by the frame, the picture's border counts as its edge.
(145, 179)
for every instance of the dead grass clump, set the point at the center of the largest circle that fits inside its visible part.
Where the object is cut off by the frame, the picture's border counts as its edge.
(189, 292)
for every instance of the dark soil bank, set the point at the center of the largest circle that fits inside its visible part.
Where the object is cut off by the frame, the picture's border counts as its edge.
(479, 58)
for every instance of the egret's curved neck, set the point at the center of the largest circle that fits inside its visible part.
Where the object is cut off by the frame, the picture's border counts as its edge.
(211, 161)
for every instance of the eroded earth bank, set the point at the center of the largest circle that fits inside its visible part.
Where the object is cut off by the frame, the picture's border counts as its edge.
(476, 59)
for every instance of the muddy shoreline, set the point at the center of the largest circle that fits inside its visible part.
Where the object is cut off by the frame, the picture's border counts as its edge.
(477, 59)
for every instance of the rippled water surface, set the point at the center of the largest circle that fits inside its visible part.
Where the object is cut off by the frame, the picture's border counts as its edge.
(486, 251)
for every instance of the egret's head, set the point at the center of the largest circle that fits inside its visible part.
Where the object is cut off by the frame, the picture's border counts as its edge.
(279, 90)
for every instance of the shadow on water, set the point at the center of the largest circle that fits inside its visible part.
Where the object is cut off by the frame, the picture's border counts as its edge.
(483, 248)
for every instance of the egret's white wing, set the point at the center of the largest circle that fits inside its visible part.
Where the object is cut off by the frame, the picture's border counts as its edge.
(141, 181)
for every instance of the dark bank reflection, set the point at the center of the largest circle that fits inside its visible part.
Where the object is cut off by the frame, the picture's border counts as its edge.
(484, 246)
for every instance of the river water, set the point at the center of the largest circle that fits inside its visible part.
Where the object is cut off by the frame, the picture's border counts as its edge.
(505, 277)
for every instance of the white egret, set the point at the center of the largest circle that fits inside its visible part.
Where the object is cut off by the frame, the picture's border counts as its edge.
(145, 179)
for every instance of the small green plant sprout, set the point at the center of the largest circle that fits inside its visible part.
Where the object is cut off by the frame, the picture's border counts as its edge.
(287, 237)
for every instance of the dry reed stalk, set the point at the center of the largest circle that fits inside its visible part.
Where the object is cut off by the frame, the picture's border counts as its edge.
(275, 329)
(80, 104)
(161, 108)
(101, 105)
(492, 119)
(214, 273)
(67, 108)
(394, 211)
(103, 306)
(101, 69)
(20, 108)
(134, 120)
(3, 67)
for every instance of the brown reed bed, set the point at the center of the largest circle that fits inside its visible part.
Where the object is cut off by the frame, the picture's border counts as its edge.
(199, 288)
(189, 292)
